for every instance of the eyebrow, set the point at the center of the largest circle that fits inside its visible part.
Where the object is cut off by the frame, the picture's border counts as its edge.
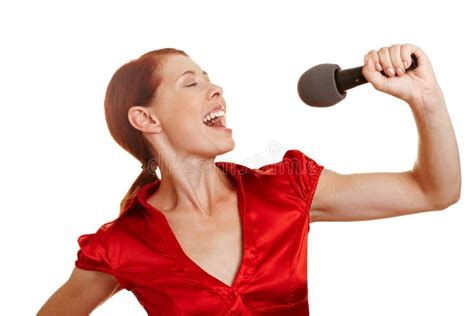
(190, 72)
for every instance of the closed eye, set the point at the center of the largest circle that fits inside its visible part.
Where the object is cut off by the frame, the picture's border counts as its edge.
(193, 84)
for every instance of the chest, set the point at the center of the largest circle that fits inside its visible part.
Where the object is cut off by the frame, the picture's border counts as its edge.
(215, 245)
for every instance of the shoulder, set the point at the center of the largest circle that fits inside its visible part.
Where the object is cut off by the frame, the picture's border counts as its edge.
(113, 234)
(293, 160)
(293, 164)
(295, 173)
(103, 249)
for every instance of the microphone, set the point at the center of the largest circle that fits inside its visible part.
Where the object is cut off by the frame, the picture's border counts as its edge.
(326, 84)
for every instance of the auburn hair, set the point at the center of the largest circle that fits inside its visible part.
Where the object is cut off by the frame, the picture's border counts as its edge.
(134, 84)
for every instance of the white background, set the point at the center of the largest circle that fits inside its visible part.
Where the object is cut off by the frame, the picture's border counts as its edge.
(62, 174)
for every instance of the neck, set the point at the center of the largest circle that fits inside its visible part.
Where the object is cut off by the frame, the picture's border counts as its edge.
(191, 184)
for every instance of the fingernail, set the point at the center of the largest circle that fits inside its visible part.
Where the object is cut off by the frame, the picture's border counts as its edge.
(405, 63)
(391, 71)
(400, 71)
(379, 67)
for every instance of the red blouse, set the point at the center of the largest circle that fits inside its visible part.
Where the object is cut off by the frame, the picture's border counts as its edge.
(140, 250)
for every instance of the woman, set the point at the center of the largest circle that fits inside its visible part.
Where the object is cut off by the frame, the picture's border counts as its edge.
(218, 238)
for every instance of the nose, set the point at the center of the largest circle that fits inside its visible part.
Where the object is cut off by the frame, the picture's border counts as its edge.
(215, 90)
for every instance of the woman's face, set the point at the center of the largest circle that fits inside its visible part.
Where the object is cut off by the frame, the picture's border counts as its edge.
(183, 99)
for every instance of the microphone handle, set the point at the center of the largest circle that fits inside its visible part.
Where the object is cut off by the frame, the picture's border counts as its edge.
(349, 78)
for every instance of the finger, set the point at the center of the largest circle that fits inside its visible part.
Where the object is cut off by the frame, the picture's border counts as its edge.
(385, 61)
(373, 73)
(405, 52)
(369, 61)
(421, 57)
(372, 61)
(395, 57)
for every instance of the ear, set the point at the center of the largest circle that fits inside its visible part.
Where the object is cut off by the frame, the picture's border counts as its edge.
(144, 119)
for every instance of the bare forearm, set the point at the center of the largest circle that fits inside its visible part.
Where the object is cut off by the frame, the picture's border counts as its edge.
(437, 167)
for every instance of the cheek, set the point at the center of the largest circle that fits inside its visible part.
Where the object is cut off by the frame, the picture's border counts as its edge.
(183, 123)
(183, 116)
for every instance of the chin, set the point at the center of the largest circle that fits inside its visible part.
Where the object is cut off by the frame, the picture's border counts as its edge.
(227, 148)
(222, 147)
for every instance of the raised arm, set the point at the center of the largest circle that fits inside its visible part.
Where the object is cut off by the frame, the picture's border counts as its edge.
(434, 183)
(81, 294)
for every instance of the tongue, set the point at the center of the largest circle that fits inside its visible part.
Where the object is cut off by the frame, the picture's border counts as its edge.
(218, 123)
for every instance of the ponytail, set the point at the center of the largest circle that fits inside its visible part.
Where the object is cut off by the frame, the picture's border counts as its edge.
(147, 175)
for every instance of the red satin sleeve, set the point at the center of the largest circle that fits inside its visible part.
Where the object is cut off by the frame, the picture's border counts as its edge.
(303, 173)
(91, 254)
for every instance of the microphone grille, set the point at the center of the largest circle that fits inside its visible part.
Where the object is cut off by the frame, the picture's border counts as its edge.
(317, 86)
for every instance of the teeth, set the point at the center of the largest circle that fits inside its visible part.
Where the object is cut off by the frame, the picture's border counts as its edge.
(213, 115)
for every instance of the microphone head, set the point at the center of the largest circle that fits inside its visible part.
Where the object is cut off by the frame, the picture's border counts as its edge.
(317, 86)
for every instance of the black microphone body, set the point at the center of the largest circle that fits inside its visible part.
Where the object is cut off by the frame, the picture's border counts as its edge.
(326, 84)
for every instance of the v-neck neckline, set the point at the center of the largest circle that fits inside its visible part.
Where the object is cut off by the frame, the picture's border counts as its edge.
(246, 268)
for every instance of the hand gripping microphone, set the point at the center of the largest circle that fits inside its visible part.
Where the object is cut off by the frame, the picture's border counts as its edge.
(326, 84)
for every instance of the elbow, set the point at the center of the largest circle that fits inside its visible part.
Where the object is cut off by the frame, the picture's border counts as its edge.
(440, 197)
(442, 204)
(455, 199)
(442, 200)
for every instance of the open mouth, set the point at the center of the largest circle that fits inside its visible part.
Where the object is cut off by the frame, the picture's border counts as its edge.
(216, 118)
